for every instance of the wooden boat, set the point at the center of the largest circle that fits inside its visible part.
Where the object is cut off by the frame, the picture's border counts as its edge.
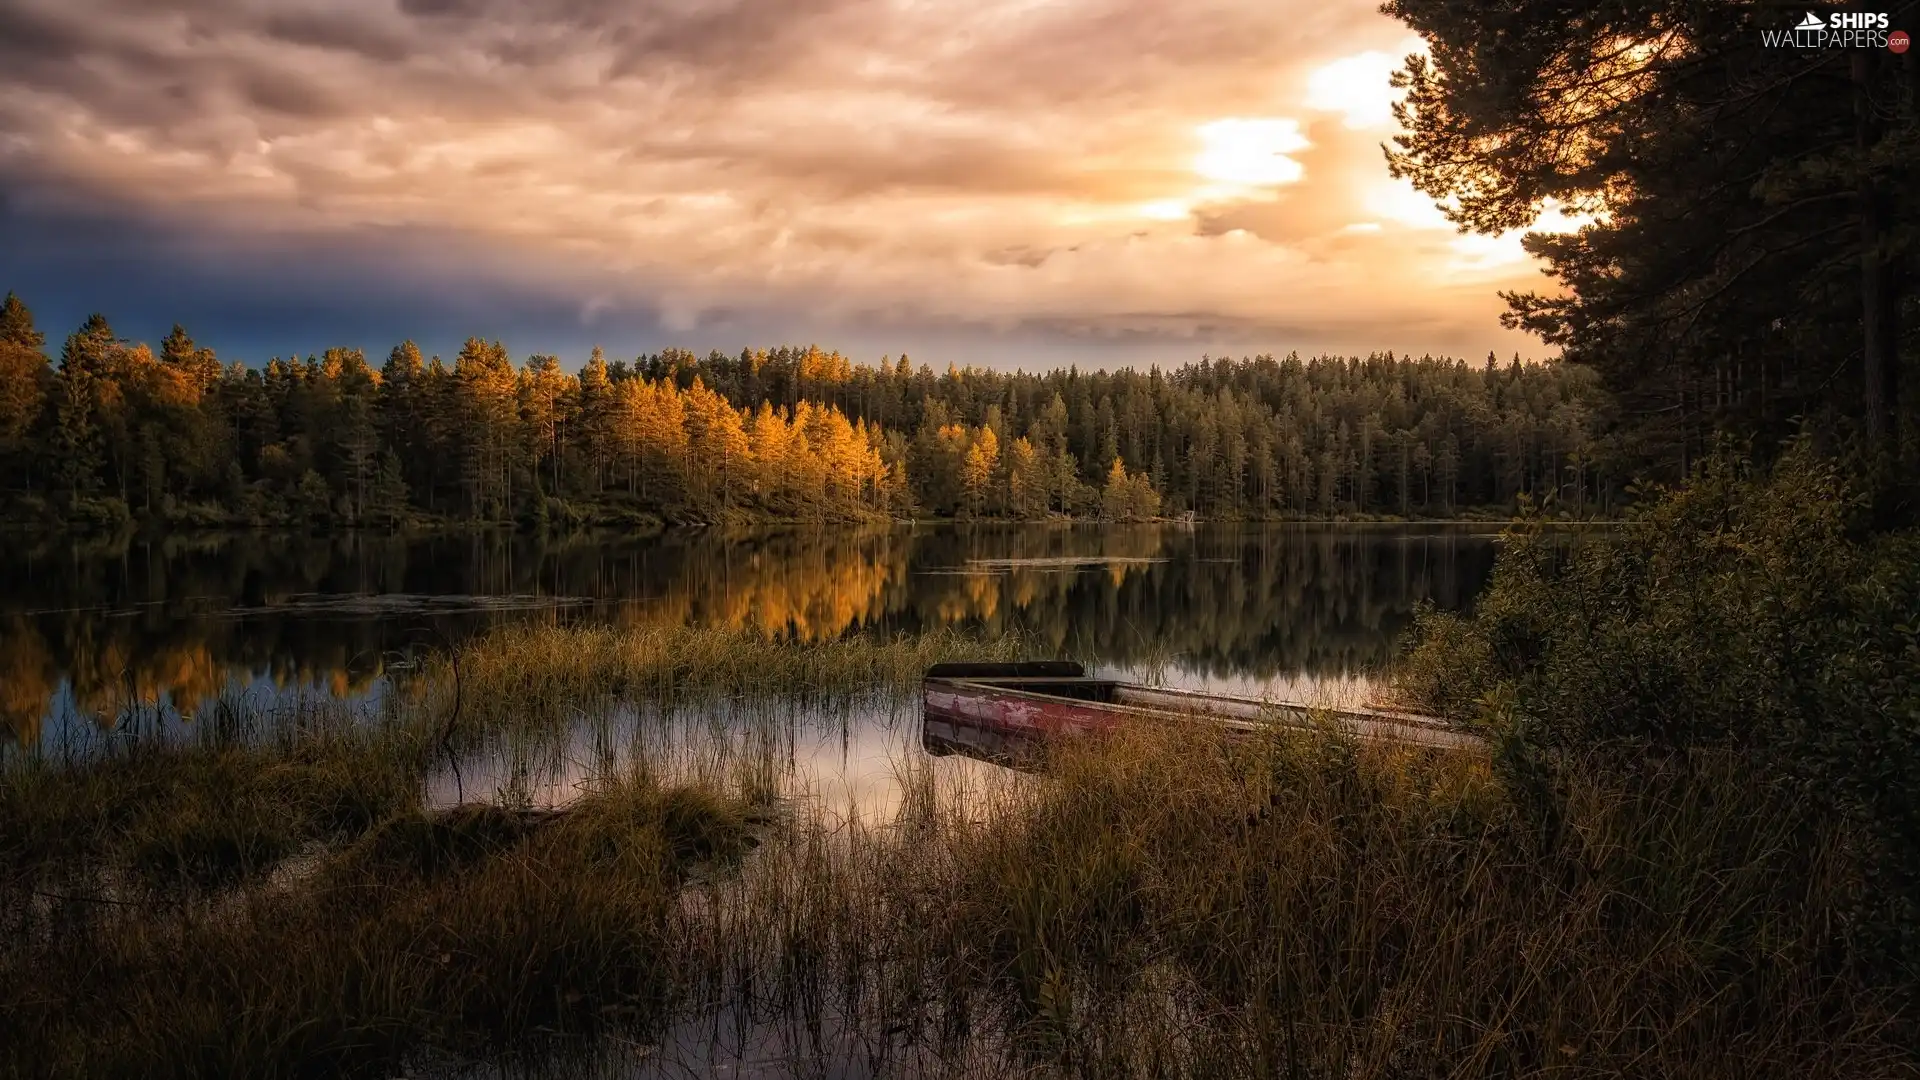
(1002, 711)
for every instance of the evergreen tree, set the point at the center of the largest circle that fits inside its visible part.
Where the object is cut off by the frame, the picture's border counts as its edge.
(83, 386)
(1756, 203)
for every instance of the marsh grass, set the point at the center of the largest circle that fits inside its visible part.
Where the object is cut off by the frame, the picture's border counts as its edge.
(153, 925)
(468, 933)
(1177, 905)
(535, 676)
(1161, 903)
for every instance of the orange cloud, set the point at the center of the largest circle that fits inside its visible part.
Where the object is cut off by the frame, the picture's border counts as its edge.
(1093, 167)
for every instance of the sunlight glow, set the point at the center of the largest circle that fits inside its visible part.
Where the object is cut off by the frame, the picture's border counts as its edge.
(1481, 252)
(1359, 86)
(1250, 151)
(1476, 251)
(1399, 201)
(1164, 209)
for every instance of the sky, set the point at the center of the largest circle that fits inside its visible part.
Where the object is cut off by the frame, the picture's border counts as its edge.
(1015, 183)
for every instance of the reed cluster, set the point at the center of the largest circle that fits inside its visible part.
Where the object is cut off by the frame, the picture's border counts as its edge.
(263, 895)
(263, 888)
(1177, 904)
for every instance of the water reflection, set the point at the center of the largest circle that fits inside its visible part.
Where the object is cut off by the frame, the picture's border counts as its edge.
(838, 765)
(87, 628)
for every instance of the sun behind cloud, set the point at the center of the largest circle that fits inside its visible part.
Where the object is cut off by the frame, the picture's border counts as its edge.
(1359, 86)
(1250, 151)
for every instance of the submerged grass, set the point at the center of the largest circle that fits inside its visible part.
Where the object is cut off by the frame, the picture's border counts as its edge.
(541, 675)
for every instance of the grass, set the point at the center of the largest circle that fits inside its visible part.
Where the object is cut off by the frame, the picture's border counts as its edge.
(265, 891)
(1304, 908)
(468, 934)
(278, 900)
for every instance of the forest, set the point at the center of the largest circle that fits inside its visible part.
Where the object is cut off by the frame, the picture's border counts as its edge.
(114, 432)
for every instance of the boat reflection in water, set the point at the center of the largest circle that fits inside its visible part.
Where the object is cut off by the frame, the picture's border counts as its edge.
(1006, 713)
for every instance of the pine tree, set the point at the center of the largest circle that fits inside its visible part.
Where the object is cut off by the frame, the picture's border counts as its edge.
(598, 420)
(1754, 202)
(78, 440)
(543, 393)
(388, 501)
(489, 409)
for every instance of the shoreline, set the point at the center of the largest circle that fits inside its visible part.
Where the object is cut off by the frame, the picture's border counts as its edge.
(659, 527)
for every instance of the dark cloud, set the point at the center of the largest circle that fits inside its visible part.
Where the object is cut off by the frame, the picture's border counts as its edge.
(292, 94)
(334, 31)
(756, 38)
(253, 297)
(28, 34)
(433, 9)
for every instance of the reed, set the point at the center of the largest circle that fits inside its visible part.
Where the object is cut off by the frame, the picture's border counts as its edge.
(1180, 905)
(264, 890)
(271, 900)
(448, 937)
(542, 678)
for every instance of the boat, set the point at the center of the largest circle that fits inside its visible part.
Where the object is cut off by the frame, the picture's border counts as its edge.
(1003, 712)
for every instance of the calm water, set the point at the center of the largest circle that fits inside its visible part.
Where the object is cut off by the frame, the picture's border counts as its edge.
(1300, 611)
(84, 626)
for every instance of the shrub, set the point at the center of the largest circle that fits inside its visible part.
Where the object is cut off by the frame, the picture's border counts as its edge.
(1747, 611)
(106, 514)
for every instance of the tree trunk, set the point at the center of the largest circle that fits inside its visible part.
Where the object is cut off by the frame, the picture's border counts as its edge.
(1879, 295)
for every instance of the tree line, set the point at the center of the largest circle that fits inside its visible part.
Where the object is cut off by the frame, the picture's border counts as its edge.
(1253, 438)
(114, 429)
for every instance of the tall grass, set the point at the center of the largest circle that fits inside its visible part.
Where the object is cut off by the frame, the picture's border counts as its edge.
(269, 901)
(464, 934)
(264, 891)
(540, 674)
(1189, 906)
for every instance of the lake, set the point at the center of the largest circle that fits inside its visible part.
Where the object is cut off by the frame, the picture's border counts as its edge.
(1297, 611)
(84, 625)
(1293, 610)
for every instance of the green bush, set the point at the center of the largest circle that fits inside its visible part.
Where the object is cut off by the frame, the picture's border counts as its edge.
(106, 514)
(196, 515)
(1749, 610)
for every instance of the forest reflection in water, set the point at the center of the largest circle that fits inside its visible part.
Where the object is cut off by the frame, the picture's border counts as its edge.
(86, 627)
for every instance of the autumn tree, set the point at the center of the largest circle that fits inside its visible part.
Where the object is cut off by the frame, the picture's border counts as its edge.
(682, 437)
(982, 458)
(546, 396)
(717, 454)
(25, 380)
(1026, 481)
(489, 406)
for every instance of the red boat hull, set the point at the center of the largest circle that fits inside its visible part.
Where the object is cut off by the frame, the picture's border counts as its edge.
(1004, 712)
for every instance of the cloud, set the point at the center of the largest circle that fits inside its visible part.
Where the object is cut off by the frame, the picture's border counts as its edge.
(1089, 170)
